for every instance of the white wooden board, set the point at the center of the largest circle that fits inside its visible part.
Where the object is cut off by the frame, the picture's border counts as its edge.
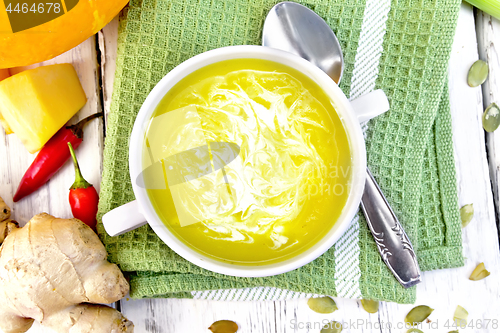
(443, 290)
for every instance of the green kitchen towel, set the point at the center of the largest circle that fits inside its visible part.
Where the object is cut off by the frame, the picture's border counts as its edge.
(400, 46)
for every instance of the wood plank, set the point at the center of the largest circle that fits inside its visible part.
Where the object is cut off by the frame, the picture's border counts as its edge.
(488, 28)
(108, 43)
(53, 197)
(177, 315)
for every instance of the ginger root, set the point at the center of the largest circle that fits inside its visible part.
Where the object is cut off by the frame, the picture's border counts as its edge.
(51, 266)
(4, 210)
(6, 225)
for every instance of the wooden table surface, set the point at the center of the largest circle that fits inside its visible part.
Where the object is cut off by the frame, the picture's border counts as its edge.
(478, 171)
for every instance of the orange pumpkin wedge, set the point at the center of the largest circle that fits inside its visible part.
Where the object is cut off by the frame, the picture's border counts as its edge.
(76, 21)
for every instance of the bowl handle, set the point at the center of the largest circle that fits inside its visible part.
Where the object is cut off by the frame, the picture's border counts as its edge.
(123, 219)
(370, 105)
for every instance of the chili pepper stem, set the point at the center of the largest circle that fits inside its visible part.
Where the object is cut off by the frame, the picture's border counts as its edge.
(80, 182)
(78, 128)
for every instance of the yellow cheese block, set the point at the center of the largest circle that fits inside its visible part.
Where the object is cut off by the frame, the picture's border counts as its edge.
(36, 103)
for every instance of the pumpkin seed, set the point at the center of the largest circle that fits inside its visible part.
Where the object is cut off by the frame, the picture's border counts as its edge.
(491, 118)
(322, 304)
(479, 273)
(369, 305)
(460, 316)
(414, 330)
(478, 73)
(224, 326)
(466, 214)
(418, 314)
(332, 327)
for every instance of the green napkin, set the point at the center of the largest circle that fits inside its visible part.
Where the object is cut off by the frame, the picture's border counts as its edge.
(401, 47)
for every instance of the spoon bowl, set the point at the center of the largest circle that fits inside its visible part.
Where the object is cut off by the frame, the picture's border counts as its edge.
(304, 33)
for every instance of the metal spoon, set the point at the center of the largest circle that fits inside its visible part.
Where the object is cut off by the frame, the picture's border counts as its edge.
(297, 29)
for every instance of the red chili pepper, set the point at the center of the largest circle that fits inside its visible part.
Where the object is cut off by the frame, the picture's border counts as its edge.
(51, 158)
(83, 197)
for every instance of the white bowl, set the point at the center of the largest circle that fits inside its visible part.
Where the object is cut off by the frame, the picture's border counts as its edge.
(134, 214)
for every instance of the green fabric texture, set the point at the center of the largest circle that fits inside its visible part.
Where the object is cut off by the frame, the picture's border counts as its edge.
(409, 148)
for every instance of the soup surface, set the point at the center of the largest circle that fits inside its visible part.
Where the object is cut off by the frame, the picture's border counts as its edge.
(256, 163)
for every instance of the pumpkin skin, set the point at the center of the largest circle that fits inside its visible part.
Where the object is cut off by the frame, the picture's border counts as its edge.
(52, 38)
(4, 73)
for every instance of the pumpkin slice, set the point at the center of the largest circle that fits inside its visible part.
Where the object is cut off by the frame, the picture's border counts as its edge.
(4, 73)
(33, 37)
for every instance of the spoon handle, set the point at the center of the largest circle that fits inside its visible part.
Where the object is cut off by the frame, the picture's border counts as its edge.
(392, 242)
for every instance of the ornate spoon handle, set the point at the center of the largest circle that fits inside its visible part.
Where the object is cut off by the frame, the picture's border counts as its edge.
(392, 242)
